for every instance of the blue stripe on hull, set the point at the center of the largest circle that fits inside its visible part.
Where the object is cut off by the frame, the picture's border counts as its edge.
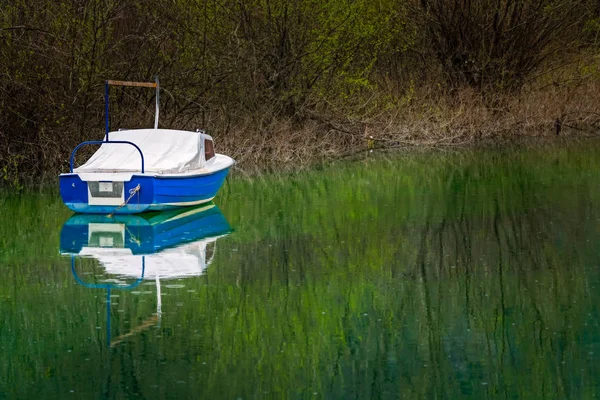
(127, 209)
(156, 193)
(165, 207)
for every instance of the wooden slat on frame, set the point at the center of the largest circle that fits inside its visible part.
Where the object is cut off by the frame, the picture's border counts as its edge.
(125, 83)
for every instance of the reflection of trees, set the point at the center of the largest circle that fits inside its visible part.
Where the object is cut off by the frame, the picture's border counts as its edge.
(431, 278)
(468, 293)
(499, 276)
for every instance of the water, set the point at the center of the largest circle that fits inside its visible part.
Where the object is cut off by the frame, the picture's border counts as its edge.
(469, 275)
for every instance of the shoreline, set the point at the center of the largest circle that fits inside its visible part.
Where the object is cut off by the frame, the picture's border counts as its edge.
(490, 144)
(467, 119)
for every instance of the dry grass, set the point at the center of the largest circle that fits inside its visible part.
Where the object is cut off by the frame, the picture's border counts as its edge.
(427, 119)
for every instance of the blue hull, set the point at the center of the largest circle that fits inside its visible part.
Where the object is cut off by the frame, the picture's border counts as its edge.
(156, 193)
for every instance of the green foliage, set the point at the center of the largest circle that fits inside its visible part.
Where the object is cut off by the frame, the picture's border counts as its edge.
(228, 63)
(219, 61)
(9, 172)
(497, 45)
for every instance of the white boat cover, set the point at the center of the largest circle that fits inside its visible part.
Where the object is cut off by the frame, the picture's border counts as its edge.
(184, 261)
(165, 151)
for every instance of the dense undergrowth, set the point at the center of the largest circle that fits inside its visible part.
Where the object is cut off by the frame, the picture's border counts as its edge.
(284, 83)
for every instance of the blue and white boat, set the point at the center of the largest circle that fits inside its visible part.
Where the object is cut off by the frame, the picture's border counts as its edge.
(141, 170)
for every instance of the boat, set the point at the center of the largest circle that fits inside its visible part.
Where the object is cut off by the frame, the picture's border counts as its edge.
(140, 170)
(164, 245)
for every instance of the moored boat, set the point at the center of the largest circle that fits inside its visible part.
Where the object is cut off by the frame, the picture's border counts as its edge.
(140, 170)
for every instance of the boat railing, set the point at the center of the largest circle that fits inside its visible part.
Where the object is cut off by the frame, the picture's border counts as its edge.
(103, 142)
(108, 285)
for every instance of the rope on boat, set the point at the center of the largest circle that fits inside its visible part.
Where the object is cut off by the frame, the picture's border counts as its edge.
(132, 236)
(132, 193)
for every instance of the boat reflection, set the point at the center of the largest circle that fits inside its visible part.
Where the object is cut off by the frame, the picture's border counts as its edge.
(153, 246)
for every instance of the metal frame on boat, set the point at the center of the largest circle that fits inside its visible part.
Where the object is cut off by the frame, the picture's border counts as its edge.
(144, 169)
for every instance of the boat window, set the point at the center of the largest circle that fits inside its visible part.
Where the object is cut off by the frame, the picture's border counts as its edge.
(209, 149)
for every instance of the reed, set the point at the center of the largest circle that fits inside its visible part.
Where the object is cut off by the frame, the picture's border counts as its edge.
(463, 274)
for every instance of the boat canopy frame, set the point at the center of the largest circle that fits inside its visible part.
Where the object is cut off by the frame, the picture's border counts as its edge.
(103, 142)
(109, 82)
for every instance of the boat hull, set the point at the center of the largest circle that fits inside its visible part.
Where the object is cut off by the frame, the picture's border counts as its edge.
(155, 193)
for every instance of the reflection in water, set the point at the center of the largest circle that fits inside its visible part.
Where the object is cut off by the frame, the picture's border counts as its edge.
(472, 276)
(166, 245)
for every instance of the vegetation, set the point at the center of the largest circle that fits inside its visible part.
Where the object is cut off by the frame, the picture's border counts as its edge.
(282, 81)
(453, 276)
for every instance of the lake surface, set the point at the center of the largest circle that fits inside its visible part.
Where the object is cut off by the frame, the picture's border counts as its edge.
(467, 275)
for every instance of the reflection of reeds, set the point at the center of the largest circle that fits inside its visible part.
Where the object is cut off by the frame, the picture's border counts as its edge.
(460, 275)
(469, 246)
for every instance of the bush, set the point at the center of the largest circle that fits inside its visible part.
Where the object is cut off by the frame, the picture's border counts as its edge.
(498, 44)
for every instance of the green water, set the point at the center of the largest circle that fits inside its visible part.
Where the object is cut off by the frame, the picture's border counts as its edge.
(469, 275)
